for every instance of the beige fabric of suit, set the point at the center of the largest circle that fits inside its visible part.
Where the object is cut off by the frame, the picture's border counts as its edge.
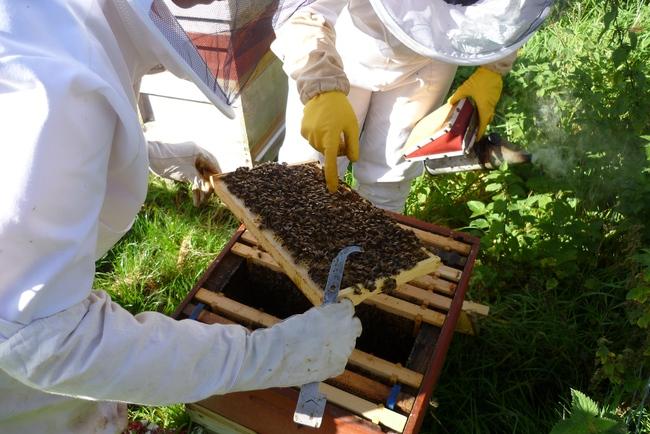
(391, 87)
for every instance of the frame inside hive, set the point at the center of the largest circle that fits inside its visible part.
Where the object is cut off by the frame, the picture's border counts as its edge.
(256, 296)
(302, 227)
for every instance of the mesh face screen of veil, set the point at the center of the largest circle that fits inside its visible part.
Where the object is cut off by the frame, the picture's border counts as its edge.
(223, 41)
(461, 2)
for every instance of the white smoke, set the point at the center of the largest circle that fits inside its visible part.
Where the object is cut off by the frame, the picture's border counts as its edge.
(550, 151)
(553, 161)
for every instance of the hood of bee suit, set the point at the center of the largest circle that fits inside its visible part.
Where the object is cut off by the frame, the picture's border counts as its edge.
(463, 32)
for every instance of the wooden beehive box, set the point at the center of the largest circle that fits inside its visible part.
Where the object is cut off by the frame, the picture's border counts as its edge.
(397, 360)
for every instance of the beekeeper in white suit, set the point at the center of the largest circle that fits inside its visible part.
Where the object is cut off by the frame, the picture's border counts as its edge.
(395, 60)
(74, 176)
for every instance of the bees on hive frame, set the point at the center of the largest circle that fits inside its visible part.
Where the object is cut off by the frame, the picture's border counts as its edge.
(294, 205)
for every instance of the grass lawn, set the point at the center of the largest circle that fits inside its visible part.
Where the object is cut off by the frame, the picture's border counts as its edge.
(565, 253)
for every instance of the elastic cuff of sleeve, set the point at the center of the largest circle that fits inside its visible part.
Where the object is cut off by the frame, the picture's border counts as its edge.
(310, 90)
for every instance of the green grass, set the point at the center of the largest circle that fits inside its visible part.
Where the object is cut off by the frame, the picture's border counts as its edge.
(564, 261)
(165, 252)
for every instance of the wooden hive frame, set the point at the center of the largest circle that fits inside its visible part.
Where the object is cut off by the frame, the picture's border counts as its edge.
(298, 272)
(356, 398)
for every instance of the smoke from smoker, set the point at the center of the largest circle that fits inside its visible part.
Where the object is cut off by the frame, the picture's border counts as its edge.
(549, 149)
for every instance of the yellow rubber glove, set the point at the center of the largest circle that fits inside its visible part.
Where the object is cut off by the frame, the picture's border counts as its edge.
(484, 88)
(326, 118)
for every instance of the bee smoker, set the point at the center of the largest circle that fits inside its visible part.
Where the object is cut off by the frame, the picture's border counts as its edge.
(454, 148)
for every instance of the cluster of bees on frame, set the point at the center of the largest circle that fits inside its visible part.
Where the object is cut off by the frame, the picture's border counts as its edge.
(314, 225)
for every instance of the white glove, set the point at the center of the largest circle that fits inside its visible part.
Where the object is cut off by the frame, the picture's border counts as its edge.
(184, 162)
(312, 346)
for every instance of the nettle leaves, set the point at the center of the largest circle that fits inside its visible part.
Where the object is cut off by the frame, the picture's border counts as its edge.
(586, 417)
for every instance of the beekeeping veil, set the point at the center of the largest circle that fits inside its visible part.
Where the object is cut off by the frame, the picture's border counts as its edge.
(218, 45)
(463, 32)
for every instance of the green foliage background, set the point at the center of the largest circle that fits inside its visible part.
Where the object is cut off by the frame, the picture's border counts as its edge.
(565, 250)
(564, 261)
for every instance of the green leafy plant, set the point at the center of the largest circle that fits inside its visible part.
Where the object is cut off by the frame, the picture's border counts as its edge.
(586, 417)
(558, 238)
(640, 294)
(628, 369)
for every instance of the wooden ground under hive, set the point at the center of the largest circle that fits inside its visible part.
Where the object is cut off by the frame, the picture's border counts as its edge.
(302, 227)
(397, 360)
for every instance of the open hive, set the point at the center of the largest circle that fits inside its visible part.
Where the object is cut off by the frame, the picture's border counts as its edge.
(303, 227)
(395, 365)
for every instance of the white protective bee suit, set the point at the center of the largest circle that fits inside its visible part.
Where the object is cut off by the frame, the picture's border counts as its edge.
(396, 60)
(74, 176)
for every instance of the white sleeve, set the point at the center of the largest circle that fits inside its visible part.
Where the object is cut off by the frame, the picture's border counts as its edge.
(97, 350)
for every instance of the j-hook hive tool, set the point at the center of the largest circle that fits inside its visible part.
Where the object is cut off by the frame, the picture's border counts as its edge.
(311, 403)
